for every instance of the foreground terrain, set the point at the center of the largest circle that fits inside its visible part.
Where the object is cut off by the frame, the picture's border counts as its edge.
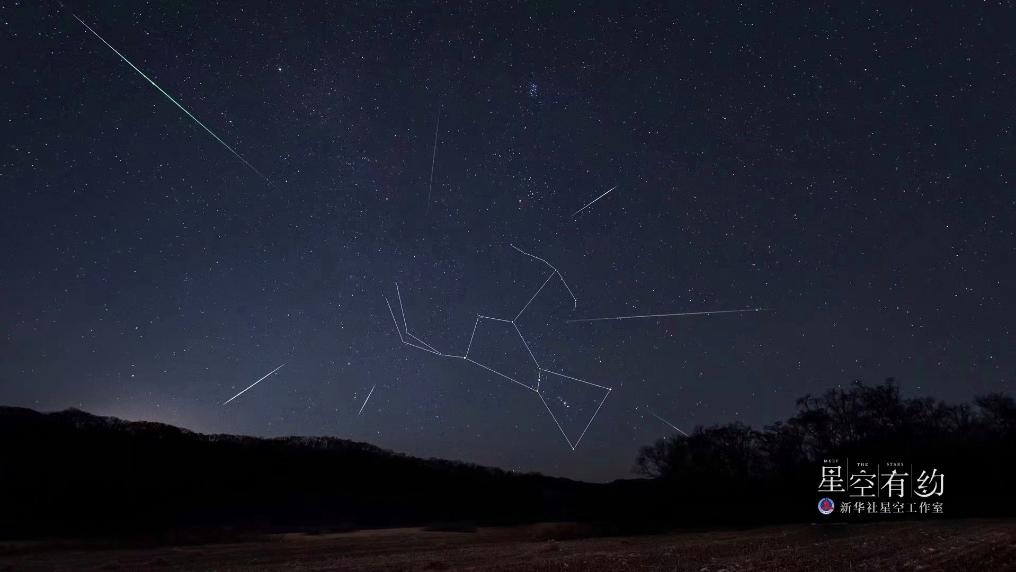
(925, 545)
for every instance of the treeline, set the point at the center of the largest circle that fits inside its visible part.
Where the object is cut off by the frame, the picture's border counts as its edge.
(774, 472)
(75, 474)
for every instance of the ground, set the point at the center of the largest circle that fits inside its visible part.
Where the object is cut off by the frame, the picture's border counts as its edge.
(916, 545)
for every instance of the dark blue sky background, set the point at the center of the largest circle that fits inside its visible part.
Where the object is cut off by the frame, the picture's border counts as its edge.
(847, 167)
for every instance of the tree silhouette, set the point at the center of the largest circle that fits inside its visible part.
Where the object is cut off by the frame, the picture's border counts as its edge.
(781, 462)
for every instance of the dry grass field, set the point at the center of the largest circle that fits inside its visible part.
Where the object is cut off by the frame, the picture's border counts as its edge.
(918, 545)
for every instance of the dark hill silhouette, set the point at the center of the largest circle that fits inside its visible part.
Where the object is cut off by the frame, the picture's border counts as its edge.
(75, 474)
(72, 473)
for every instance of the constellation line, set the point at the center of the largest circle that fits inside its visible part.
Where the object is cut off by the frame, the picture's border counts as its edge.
(473, 335)
(399, 331)
(534, 296)
(581, 435)
(466, 357)
(554, 417)
(492, 370)
(575, 301)
(524, 342)
(575, 379)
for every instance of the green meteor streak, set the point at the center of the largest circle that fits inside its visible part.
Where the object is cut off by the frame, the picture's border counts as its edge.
(170, 97)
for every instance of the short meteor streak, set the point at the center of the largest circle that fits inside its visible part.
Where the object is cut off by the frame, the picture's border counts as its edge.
(170, 98)
(668, 315)
(253, 384)
(433, 158)
(594, 200)
(366, 400)
(672, 426)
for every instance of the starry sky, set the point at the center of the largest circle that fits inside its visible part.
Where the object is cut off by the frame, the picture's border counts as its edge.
(846, 167)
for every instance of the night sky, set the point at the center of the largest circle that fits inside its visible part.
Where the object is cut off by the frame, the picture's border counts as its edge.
(848, 168)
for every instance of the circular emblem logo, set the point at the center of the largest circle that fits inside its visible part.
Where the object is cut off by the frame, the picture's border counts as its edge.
(826, 505)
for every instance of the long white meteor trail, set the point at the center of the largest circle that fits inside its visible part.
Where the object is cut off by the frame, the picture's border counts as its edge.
(594, 200)
(368, 399)
(668, 315)
(253, 384)
(170, 97)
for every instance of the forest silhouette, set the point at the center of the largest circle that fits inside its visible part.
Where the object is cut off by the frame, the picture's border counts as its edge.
(73, 474)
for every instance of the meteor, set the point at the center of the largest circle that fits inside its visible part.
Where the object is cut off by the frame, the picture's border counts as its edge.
(594, 200)
(253, 384)
(433, 157)
(667, 315)
(169, 97)
(672, 426)
(366, 400)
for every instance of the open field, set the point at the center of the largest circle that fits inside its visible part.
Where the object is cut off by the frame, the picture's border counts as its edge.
(920, 545)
